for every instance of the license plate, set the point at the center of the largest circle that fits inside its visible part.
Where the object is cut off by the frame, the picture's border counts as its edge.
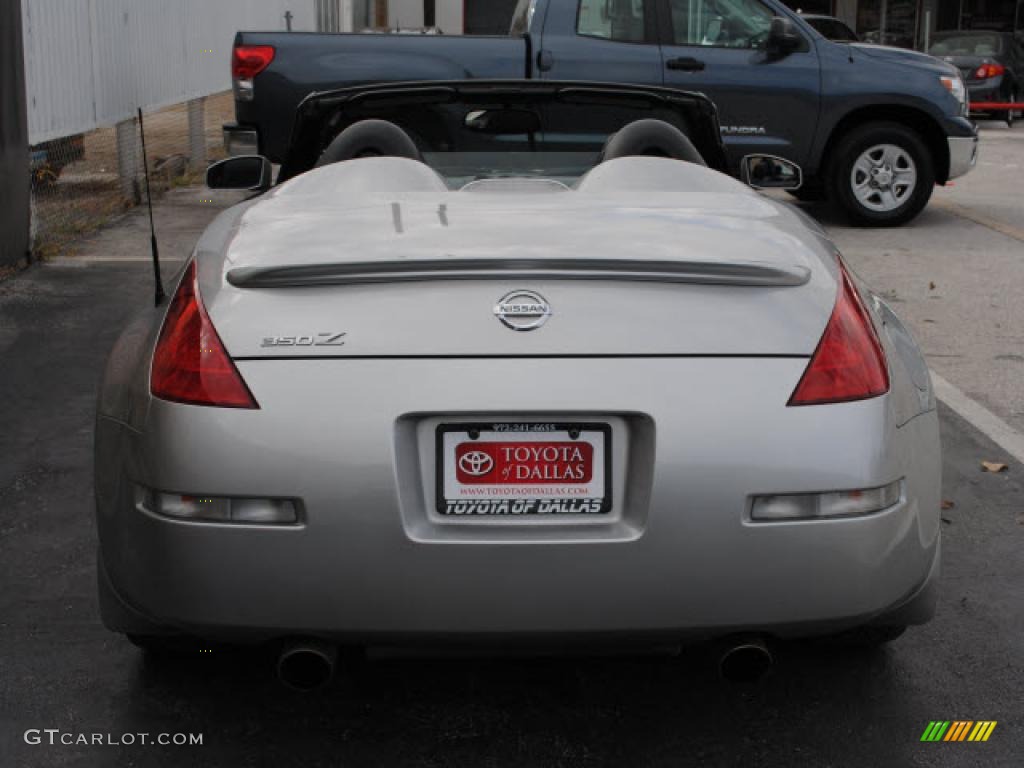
(506, 469)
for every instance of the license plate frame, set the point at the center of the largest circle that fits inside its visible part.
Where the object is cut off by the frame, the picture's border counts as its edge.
(533, 505)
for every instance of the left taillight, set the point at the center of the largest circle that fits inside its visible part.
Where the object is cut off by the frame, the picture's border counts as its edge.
(849, 363)
(190, 364)
(247, 61)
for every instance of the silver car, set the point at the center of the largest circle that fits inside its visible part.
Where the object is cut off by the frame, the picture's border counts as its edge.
(510, 360)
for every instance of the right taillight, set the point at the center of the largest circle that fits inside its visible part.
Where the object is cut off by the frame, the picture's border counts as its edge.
(190, 364)
(849, 363)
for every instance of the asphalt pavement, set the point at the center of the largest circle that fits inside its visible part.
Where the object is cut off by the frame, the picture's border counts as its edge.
(821, 706)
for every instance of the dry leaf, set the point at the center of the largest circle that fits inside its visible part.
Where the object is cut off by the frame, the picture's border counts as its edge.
(993, 466)
(931, 286)
(947, 504)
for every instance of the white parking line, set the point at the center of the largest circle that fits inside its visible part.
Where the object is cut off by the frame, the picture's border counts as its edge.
(979, 218)
(980, 417)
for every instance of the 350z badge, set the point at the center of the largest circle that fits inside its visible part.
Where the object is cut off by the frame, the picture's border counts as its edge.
(318, 340)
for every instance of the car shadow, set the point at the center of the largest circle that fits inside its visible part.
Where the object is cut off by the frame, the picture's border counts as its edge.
(628, 710)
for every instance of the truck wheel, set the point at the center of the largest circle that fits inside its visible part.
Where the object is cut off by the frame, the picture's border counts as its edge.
(882, 175)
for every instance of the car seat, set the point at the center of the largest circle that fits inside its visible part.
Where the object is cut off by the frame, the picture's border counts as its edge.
(651, 138)
(369, 138)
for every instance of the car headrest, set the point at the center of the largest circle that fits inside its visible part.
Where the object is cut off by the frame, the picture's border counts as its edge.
(652, 138)
(369, 138)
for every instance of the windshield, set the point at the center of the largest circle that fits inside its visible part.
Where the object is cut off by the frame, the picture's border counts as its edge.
(461, 168)
(966, 44)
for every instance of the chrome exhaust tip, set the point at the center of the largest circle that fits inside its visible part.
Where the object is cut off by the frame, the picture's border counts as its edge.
(745, 660)
(307, 665)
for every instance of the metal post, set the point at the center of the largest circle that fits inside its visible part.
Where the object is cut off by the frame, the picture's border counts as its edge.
(197, 133)
(129, 160)
(927, 30)
(17, 214)
(288, 20)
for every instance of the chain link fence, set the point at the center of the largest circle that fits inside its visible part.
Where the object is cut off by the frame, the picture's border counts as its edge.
(79, 183)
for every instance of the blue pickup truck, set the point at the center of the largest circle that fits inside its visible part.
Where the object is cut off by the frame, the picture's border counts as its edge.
(874, 128)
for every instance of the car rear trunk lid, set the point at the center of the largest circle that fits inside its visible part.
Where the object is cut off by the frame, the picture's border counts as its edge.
(696, 274)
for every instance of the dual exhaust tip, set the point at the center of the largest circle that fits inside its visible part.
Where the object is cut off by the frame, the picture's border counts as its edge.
(744, 659)
(308, 665)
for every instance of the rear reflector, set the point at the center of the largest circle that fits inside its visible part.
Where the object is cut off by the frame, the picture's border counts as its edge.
(809, 506)
(849, 363)
(218, 509)
(190, 364)
(247, 61)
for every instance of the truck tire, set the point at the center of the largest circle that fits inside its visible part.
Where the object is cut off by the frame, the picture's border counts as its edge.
(882, 175)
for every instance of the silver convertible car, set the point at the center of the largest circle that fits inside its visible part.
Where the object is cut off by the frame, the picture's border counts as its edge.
(516, 362)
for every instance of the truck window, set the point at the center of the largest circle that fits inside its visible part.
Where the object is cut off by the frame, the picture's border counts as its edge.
(619, 20)
(966, 44)
(720, 23)
(522, 17)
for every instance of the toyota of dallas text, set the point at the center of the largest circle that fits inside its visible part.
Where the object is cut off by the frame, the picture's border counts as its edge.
(519, 362)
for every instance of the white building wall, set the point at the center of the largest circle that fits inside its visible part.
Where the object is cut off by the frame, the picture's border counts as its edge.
(405, 13)
(90, 63)
(409, 14)
(450, 18)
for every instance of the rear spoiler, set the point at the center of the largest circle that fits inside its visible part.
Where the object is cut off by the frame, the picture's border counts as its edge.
(748, 273)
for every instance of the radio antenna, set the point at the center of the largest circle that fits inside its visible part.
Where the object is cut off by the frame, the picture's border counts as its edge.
(159, 294)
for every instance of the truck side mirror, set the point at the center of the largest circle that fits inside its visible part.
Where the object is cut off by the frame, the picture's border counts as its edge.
(783, 38)
(770, 172)
(252, 173)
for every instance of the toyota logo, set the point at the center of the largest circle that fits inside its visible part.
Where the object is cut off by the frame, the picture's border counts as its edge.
(523, 310)
(476, 463)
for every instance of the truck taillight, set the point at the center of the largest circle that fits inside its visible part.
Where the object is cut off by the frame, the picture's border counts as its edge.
(247, 61)
(190, 364)
(986, 71)
(849, 363)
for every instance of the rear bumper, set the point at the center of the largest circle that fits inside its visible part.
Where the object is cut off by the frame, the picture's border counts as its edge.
(987, 90)
(963, 155)
(370, 561)
(240, 140)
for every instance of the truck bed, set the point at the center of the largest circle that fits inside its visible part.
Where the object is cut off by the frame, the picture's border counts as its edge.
(309, 62)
